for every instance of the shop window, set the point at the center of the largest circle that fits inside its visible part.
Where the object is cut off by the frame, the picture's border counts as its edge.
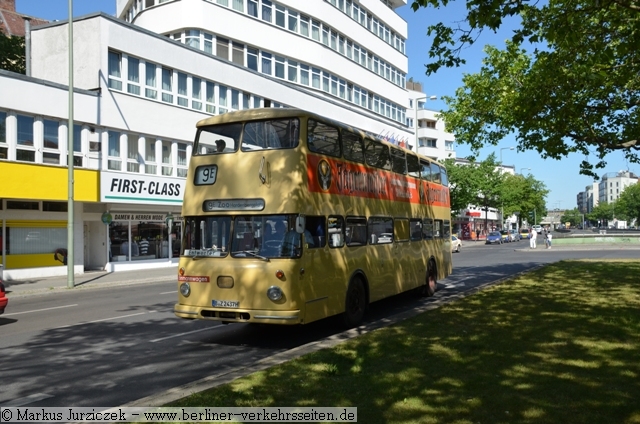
(16, 204)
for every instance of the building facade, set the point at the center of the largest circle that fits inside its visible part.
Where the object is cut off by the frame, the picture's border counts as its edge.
(612, 184)
(141, 82)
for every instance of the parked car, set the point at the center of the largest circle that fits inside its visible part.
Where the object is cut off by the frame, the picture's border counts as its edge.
(494, 237)
(515, 235)
(456, 244)
(506, 236)
(524, 233)
(538, 228)
(3, 295)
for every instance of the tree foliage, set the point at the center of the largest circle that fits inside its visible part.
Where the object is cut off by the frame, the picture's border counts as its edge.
(573, 216)
(629, 203)
(12, 54)
(484, 184)
(577, 91)
(603, 211)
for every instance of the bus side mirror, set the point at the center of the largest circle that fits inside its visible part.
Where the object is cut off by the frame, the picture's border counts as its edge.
(300, 224)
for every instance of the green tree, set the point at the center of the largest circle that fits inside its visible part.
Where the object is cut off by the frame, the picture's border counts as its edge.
(602, 213)
(463, 184)
(576, 91)
(629, 202)
(574, 216)
(521, 195)
(12, 54)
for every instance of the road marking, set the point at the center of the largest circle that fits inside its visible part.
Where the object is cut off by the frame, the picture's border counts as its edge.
(105, 319)
(171, 292)
(181, 334)
(41, 310)
(26, 400)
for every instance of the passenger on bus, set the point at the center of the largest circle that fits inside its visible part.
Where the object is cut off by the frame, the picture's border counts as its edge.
(220, 145)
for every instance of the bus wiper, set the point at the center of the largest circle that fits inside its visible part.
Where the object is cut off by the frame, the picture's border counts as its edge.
(254, 254)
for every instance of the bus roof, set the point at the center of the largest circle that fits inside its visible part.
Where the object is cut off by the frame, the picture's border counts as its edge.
(279, 113)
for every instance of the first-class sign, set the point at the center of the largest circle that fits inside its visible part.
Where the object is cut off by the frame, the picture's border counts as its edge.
(120, 187)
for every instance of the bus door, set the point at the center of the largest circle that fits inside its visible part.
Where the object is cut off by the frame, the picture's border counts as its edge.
(321, 280)
(381, 258)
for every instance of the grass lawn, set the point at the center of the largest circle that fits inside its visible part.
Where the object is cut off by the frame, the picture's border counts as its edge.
(557, 345)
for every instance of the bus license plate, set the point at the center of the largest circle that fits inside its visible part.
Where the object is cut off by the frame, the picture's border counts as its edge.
(225, 303)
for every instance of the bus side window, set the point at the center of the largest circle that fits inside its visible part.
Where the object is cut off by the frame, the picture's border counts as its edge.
(398, 161)
(447, 229)
(323, 139)
(377, 154)
(425, 171)
(353, 147)
(437, 228)
(427, 229)
(415, 229)
(380, 230)
(356, 231)
(336, 231)
(435, 173)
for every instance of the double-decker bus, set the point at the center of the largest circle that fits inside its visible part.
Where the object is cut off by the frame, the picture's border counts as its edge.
(290, 217)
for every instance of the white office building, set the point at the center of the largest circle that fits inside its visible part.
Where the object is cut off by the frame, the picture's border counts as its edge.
(142, 80)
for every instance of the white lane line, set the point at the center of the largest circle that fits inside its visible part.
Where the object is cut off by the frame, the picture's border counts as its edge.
(26, 400)
(171, 292)
(40, 310)
(105, 319)
(181, 334)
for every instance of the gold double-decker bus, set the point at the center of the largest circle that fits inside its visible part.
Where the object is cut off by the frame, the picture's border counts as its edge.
(290, 217)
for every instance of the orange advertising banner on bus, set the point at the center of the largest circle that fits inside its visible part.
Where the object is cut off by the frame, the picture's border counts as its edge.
(333, 176)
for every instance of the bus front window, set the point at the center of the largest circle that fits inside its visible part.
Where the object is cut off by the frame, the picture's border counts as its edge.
(206, 236)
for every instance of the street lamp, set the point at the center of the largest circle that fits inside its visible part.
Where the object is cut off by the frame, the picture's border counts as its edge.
(417, 100)
(504, 148)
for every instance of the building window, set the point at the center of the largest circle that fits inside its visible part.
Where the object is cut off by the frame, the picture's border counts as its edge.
(167, 85)
(113, 163)
(150, 78)
(237, 55)
(252, 8)
(252, 59)
(196, 96)
(166, 158)
(222, 48)
(182, 90)
(279, 67)
(280, 15)
(182, 160)
(133, 76)
(193, 38)
(150, 158)
(210, 98)
(427, 142)
(133, 164)
(448, 145)
(266, 63)
(266, 11)
(115, 75)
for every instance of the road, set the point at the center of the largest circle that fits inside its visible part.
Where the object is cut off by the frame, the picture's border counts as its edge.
(116, 344)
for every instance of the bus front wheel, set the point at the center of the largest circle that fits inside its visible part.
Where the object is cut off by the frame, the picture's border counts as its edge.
(355, 303)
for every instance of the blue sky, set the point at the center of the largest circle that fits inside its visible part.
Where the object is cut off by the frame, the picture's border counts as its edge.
(560, 177)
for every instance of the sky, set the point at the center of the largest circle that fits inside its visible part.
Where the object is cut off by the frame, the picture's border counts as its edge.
(561, 178)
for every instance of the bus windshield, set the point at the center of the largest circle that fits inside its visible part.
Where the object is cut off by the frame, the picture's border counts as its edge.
(254, 236)
(254, 135)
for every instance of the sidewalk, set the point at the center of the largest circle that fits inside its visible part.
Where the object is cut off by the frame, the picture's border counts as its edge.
(88, 280)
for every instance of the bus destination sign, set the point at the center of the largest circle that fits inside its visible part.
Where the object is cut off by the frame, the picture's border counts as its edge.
(233, 205)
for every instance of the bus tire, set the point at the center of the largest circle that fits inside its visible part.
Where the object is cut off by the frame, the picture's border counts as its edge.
(355, 303)
(431, 283)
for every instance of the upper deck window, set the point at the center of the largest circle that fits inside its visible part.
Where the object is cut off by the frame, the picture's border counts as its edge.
(252, 135)
(323, 138)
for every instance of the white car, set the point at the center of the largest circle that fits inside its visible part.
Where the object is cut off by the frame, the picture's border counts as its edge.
(538, 228)
(456, 244)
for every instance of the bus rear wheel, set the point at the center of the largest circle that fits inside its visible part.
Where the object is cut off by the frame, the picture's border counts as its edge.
(355, 303)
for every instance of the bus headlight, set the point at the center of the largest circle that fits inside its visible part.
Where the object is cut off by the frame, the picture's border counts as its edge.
(274, 293)
(185, 289)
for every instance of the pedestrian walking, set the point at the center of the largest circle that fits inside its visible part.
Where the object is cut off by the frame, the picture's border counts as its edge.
(532, 238)
(549, 238)
(477, 234)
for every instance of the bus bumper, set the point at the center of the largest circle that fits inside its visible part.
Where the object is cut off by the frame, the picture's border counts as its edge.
(238, 315)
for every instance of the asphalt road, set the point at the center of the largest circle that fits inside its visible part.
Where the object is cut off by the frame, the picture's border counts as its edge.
(114, 345)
